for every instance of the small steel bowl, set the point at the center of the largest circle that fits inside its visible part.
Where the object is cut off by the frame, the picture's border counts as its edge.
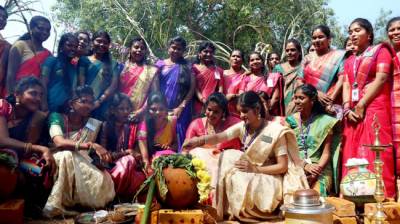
(306, 198)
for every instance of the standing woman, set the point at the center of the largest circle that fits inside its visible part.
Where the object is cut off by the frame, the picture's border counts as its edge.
(177, 84)
(291, 72)
(272, 60)
(59, 74)
(259, 80)
(4, 50)
(100, 72)
(28, 54)
(323, 69)
(393, 32)
(231, 77)
(84, 43)
(77, 181)
(137, 80)
(208, 75)
(366, 94)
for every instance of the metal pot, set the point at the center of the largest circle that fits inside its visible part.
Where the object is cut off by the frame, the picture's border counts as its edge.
(306, 198)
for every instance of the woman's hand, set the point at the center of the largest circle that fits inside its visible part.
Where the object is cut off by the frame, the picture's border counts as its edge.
(246, 166)
(104, 155)
(135, 116)
(48, 157)
(353, 117)
(177, 111)
(96, 104)
(313, 169)
(359, 110)
(191, 143)
(324, 99)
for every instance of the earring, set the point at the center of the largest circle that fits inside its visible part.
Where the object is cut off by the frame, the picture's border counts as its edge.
(17, 102)
(71, 110)
(223, 118)
(259, 117)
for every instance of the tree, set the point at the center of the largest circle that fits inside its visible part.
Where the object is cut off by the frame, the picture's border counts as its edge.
(230, 24)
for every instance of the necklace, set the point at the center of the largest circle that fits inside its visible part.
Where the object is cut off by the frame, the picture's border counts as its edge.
(304, 135)
(253, 137)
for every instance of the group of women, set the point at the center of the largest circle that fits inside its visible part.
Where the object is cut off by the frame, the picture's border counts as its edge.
(272, 124)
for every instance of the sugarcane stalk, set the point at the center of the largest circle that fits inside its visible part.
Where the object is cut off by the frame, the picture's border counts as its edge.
(149, 200)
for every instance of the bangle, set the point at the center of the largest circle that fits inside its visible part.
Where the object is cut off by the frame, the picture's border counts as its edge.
(28, 148)
(77, 146)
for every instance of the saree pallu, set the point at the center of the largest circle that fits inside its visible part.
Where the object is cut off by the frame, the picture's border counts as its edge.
(329, 67)
(290, 79)
(355, 135)
(136, 81)
(4, 50)
(31, 67)
(62, 80)
(321, 126)
(244, 195)
(77, 181)
(175, 83)
(230, 81)
(208, 81)
(396, 109)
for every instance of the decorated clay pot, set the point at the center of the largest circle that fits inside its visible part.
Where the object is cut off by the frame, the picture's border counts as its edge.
(182, 189)
(8, 176)
(358, 185)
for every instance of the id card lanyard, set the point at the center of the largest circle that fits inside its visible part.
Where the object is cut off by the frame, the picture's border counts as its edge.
(355, 92)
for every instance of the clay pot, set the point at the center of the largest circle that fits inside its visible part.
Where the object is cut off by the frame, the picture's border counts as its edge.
(182, 189)
(9, 179)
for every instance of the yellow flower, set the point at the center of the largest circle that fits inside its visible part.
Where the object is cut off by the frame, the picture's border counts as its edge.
(198, 164)
(205, 178)
(201, 173)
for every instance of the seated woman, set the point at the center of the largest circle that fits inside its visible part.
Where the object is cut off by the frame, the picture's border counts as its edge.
(216, 120)
(77, 181)
(21, 123)
(157, 133)
(318, 145)
(269, 158)
(114, 136)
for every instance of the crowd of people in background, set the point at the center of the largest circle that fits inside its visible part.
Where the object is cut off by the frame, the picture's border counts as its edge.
(88, 127)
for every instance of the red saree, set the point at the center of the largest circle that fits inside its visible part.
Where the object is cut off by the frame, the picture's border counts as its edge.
(396, 109)
(4, 50)
(231, 80)
(375, 59)
(32, 66)
(208, 81)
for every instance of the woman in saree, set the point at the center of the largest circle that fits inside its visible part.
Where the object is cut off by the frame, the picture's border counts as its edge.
(291, 72)
(100, 72)
(83, 43)
(258, 79)
(177, 84)
(272, 60)
(157, 133)
(59, 75)
(77, 181)
(366, 97)
(208, 75)
(317, 139)
(4, 51)
(269, 157)
(324, 68)
(393, 32)
(216, 120)
(125, 168)
(27, 54)
(231, 78)
(21, 125)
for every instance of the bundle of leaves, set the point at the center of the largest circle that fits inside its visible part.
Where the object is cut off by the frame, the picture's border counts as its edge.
(172, 161)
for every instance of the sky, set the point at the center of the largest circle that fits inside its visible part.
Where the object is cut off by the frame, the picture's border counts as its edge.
(345, 12)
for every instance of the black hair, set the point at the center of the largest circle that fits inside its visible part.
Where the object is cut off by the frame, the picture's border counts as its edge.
(324, 29)
(106, 58)
(64, 38)
(392, 20)
(83, 32)
(112, 137)
(270, 54)
(364, 23)
(64, 60)
(81, 91)
(220, 100)
(297, 46)
(155, 97)
(141, 40)
(22, 86)
(32, 24)
(241, 53)
(202, 46)
(264, 69)
(253, 101)
(345, 42)
(4, 10)
(312, 92)
(182, 42)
